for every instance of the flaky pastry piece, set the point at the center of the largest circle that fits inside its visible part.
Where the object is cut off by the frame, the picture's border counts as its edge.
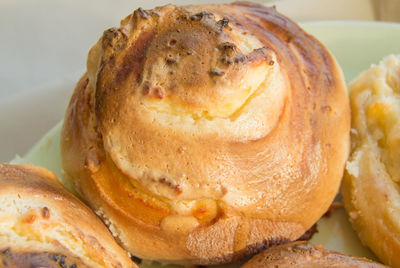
(304, 254)
(43, 225)
(202, 134)
(371, 183)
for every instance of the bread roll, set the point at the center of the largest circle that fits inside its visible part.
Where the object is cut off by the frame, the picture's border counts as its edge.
(304, 254)
(371, 183)
(43, 225)
(202, 134)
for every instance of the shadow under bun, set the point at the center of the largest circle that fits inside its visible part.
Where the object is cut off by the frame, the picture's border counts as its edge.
(43, 225)
(202, 134)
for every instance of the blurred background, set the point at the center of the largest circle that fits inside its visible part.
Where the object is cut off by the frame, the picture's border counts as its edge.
(44, 44)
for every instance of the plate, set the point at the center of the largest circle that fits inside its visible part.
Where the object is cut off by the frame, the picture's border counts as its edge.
(356, 45)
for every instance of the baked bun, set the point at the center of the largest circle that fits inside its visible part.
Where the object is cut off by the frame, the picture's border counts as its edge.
(304, 254)
(43, 225)
(202, 134)
(371, 183)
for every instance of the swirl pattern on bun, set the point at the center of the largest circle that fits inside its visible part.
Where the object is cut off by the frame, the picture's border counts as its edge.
(202, 134)
(44, 225)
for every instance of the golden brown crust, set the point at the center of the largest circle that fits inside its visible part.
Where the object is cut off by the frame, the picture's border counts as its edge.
(40, 221)
(209, 121)
(304, 254)
(370, 187)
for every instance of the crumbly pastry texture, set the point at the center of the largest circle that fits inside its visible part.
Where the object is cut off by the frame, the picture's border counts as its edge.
(304, 254)
(371, 183)
(202, 134)
(43, 225)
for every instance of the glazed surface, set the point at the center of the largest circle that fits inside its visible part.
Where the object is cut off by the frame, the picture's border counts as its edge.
(193, 120)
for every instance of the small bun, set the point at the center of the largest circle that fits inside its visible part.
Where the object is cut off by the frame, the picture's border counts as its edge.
(370, 186)
(202, 134)
(304, 254)
(43, 225)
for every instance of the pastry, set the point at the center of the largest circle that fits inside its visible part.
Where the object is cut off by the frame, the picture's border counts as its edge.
(203, 134)
(371, 183)
(304, 254)
(43, 225)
